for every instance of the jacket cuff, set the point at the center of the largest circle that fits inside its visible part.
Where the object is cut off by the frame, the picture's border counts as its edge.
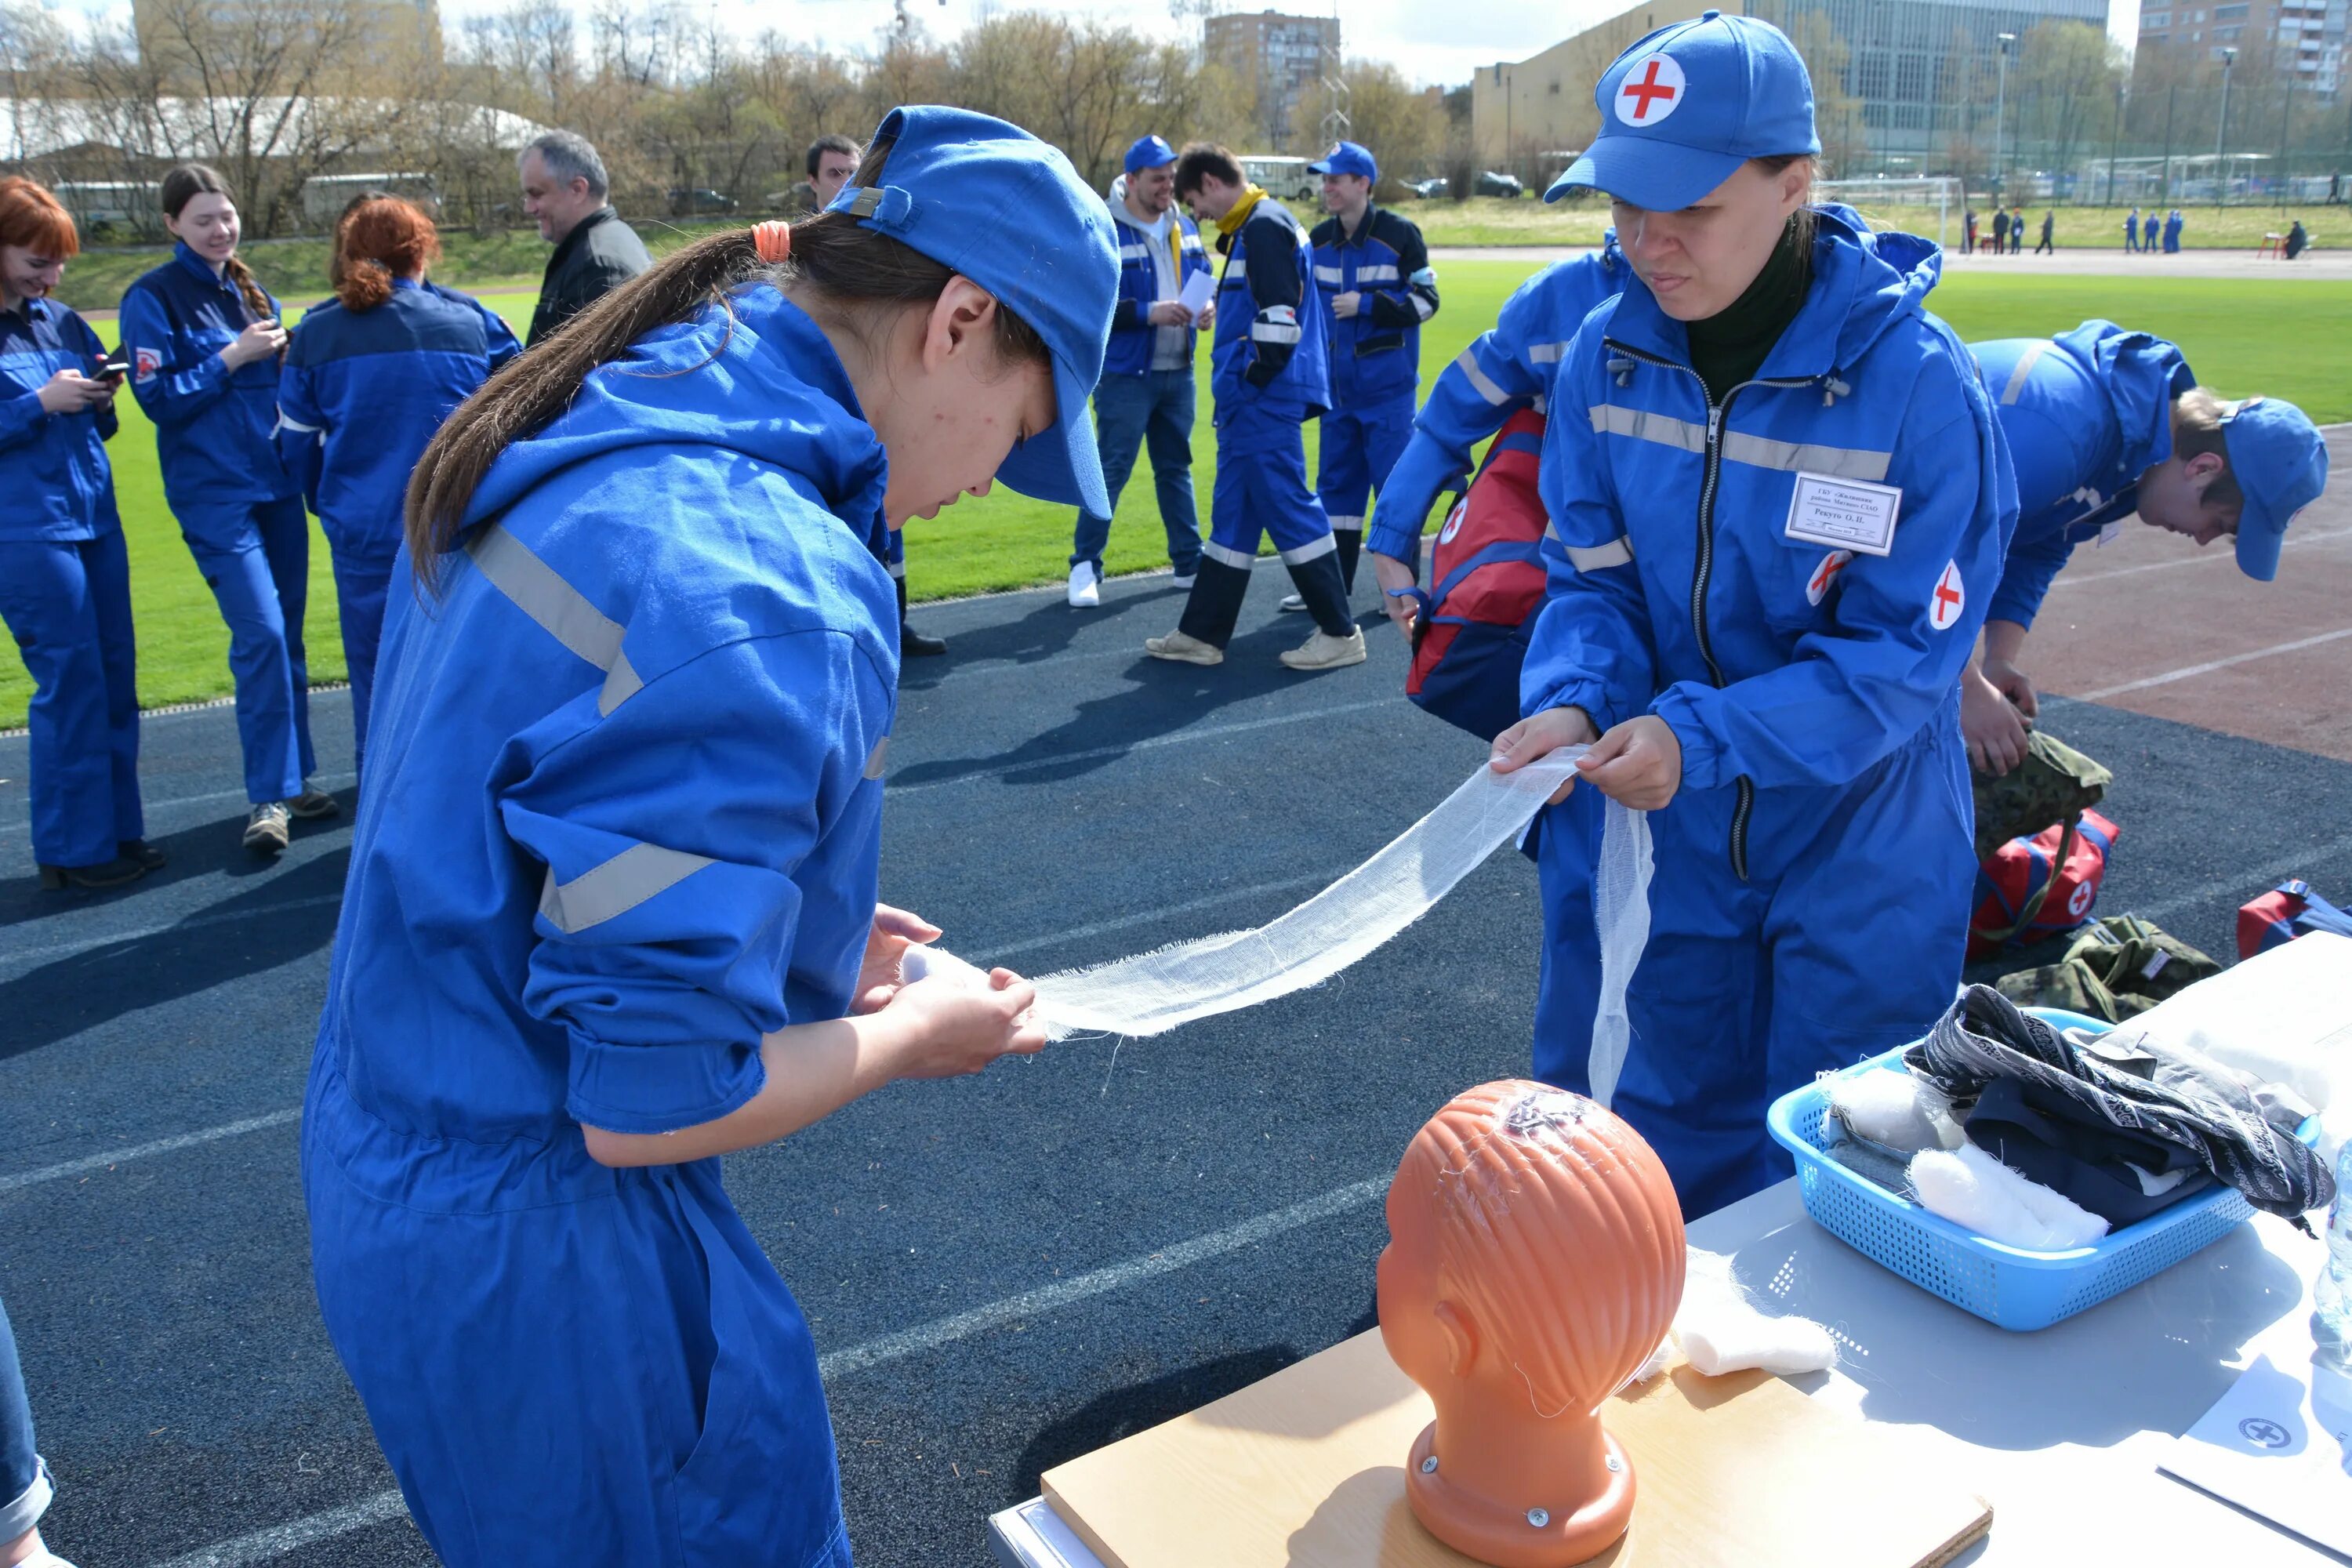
(1706, 765)
(22, 415)
(660, 1089)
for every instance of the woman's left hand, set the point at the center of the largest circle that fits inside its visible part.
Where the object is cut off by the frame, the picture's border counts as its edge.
(1638, 765)
(895, 930)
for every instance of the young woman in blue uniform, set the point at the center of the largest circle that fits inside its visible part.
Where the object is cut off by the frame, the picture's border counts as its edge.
(369, 377)
(65, 581)
(204, 344)
(1779, 504)
(611, 910)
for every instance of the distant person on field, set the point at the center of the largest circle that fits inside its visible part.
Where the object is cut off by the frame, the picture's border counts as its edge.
(2147, 234)
(369, 377)
(1999, 230)
(2049, 228)
(1969, 232)
(2172, 227)
(564, 188)
(204, 343)
(2103, 423)
(2297, 239)
(2017, 229)
(25, 1486)
(830, 161)
(2131, 232)
(65, 577)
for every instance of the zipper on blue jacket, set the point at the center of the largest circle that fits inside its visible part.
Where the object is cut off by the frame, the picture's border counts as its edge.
(1702, 570)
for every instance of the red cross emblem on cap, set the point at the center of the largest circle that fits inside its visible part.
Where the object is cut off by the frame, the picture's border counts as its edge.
(1945, 604)
(1650, 90)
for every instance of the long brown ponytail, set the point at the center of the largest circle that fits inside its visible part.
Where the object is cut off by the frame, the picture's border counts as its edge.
(851, 278)
(186, 182)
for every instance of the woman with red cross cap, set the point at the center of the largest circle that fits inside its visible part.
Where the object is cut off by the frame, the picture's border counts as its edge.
(1778, 502)
(611, 910)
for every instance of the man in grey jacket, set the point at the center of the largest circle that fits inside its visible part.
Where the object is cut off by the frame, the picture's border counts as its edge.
(564, 188)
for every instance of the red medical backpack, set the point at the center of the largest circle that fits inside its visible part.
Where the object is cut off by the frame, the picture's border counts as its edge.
(2031, 888)
(1488, 576)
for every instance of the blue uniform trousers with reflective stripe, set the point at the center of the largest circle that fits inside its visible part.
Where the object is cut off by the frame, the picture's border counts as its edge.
(660, 1406)
(68, 603)
(1845, 941)
(1359, 446)
(362, 578)
(256, 559)
(1262, 490)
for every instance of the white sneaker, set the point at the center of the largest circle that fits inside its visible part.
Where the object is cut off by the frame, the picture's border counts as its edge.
(1085, 587)
(1184, 580)
(1324, 651)
(1185, 649)
(1292, 604)
(267, 828)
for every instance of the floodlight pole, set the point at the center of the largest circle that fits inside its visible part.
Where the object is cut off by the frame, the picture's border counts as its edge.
(2001, 110)
(2222, 134)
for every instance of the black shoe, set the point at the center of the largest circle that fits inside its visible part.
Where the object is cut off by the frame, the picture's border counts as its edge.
(314, 803)
(113, 874)
(913, 643)
(146, 854)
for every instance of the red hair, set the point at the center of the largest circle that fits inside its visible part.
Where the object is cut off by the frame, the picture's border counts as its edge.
(381, 239)
(30, 217)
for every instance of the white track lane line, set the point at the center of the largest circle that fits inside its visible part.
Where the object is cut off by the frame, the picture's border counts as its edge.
(2206, 558)
(2192, 671)
(112, 1157)
(265, 1545)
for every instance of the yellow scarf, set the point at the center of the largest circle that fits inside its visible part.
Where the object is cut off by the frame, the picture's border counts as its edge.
(1238, 214)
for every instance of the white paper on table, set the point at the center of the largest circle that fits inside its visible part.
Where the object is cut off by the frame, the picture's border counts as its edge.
(1199, 289)
(2278, 1444)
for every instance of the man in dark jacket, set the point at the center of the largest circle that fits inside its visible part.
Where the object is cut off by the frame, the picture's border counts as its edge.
(564, 188)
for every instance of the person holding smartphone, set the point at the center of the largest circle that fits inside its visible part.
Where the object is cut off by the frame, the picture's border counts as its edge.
(65, 581)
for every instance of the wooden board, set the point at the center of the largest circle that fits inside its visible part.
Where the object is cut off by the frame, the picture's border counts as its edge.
(1307, 1469)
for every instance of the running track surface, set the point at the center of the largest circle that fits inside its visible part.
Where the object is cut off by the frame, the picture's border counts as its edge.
(1003, 1271)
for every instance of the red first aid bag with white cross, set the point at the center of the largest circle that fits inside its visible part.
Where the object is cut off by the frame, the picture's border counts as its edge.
(1487, 576)
(2032, 888)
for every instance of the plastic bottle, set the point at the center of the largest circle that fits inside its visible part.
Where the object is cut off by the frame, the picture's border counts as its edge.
(2331, 1315)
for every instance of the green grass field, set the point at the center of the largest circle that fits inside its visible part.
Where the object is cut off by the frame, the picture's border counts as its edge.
(2241, 336)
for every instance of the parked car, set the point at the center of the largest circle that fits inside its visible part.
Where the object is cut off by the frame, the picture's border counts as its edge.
(1491, 184)
(686, 202)
(1430, 189)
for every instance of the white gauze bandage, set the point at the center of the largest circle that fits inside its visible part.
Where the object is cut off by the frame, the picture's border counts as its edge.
(1155, 991)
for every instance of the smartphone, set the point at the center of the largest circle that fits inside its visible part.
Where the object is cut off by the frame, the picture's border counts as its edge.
(114, 366)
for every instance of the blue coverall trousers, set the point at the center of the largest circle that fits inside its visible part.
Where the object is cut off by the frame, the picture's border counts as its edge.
(24, 1485)
(1261, 489)
(362, 578)
(1150, 412)
(257, 561)
(1843, 941)
(567, 1364)
(1359, 446)
(68, 604)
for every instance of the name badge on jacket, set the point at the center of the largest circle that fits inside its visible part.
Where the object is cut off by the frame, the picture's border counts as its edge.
(1845, 514)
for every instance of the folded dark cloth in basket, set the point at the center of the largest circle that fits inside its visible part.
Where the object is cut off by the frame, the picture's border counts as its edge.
(2047, 1136)
(2179, 1097)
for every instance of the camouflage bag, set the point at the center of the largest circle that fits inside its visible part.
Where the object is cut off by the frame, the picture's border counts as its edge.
(2113, 969)
(2055, 783)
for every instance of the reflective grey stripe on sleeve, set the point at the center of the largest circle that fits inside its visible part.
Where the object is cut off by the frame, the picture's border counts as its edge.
(286, 424)
(1272, 332)
(1834, 462)
(2014, 387)
(616, 887)
(878, 758)
(1421, 307)
(560, 610)
(1133, 253)
(1306, 553)
(1608, 419)
(1547, 353)
(898, 569)
(1468, 365)
(1618, 551)
(1326, 275)
(1228, 555)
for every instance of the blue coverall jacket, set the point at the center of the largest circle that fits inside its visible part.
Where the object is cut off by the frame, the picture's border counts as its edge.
(2085, 413)
(213, 425)
(1270, 352)
(1131, 332)
(1505, 368)
(53, 467)
(363, 391)
(1810, 901)
(1375, 353)
(624, 821)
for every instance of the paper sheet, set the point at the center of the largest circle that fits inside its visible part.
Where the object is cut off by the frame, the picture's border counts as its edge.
(2278, 1444)
(1199, 289)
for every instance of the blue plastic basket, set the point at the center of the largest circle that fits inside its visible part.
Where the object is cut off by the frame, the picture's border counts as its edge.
(2005, 1286)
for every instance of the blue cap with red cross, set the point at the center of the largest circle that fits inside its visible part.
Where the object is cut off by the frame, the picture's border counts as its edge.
(2281, 463)
(1685, 107)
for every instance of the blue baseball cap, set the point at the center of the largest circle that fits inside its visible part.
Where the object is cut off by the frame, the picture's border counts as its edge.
(1685, 107)
(1346, 158)
(2280, 465)
(1150, 153)
(952, 183)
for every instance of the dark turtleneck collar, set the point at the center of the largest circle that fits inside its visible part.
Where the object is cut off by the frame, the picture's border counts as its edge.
(1730, 346)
